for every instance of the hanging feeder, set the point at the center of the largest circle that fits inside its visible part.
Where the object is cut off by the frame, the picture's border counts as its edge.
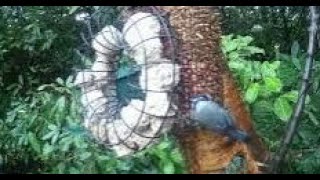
(115, 118)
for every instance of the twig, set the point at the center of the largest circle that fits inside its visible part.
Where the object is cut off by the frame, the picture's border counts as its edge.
(294, 120)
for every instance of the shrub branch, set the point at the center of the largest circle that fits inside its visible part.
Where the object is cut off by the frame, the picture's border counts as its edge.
(294, 120)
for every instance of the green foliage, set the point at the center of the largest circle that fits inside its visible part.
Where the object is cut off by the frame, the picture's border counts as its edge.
(270, 90)
(260, 81)
(35, 46)
(167, 158)
(45, 132)
(272, 27)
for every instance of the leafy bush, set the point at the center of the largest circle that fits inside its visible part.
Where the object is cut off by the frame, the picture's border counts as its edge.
(270, 90)
(43, 134)
(35, 46)
(271, 26)
(260, 80)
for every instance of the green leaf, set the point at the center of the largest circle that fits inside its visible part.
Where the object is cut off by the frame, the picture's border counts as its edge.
(262, 109)
(282, 109)
(61, 103)
(237, 65)
(69, 82)
(291, 96)
(273, 84)
(73, 9)
(1, 160)
(55, 137)
(60, 81)
(103, 158)
(41, 88)
(243, 41)
(61, 167)
(231, 46)
(66, 143)
(267, 70)
(48, 136)
(20, 79)
(254, 50)
(295, 49)
(21, 140)
(59, 107)
(256, 66)
(34, 142)
(308, 100)
(85, 156)
(47, 149)
(52, 127)
(176, 156)
(252, 93)
(285, 57)
(234, 56)
(297, 63)
(163, 145)
(275, 65)
(313, 118)
(168, 168)
(28, 27)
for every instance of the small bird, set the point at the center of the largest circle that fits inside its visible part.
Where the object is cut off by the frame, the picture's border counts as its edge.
(212, 116)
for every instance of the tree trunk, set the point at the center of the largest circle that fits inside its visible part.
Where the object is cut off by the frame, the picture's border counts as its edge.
(197, 29)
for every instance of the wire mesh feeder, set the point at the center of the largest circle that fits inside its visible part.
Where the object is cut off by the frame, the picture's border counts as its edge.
(129, 76)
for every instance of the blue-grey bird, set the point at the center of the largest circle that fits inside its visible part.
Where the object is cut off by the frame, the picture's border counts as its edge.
(210, 115)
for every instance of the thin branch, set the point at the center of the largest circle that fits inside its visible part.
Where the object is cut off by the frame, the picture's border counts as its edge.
(294, 120)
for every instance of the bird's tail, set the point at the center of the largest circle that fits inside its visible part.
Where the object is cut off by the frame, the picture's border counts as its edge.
(238, 135)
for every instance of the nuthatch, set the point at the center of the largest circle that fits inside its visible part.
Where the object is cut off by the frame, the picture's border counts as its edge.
(212, 116)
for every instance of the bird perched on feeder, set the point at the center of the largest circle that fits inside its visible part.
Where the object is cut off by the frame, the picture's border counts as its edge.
(212, 116)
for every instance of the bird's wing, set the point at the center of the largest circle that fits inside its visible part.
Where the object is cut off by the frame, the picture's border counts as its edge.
(213, 115)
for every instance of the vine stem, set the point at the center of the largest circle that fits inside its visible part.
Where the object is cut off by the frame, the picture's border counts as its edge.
(294, 120)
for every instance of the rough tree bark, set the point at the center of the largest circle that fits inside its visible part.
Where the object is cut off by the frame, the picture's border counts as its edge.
(197, 29)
